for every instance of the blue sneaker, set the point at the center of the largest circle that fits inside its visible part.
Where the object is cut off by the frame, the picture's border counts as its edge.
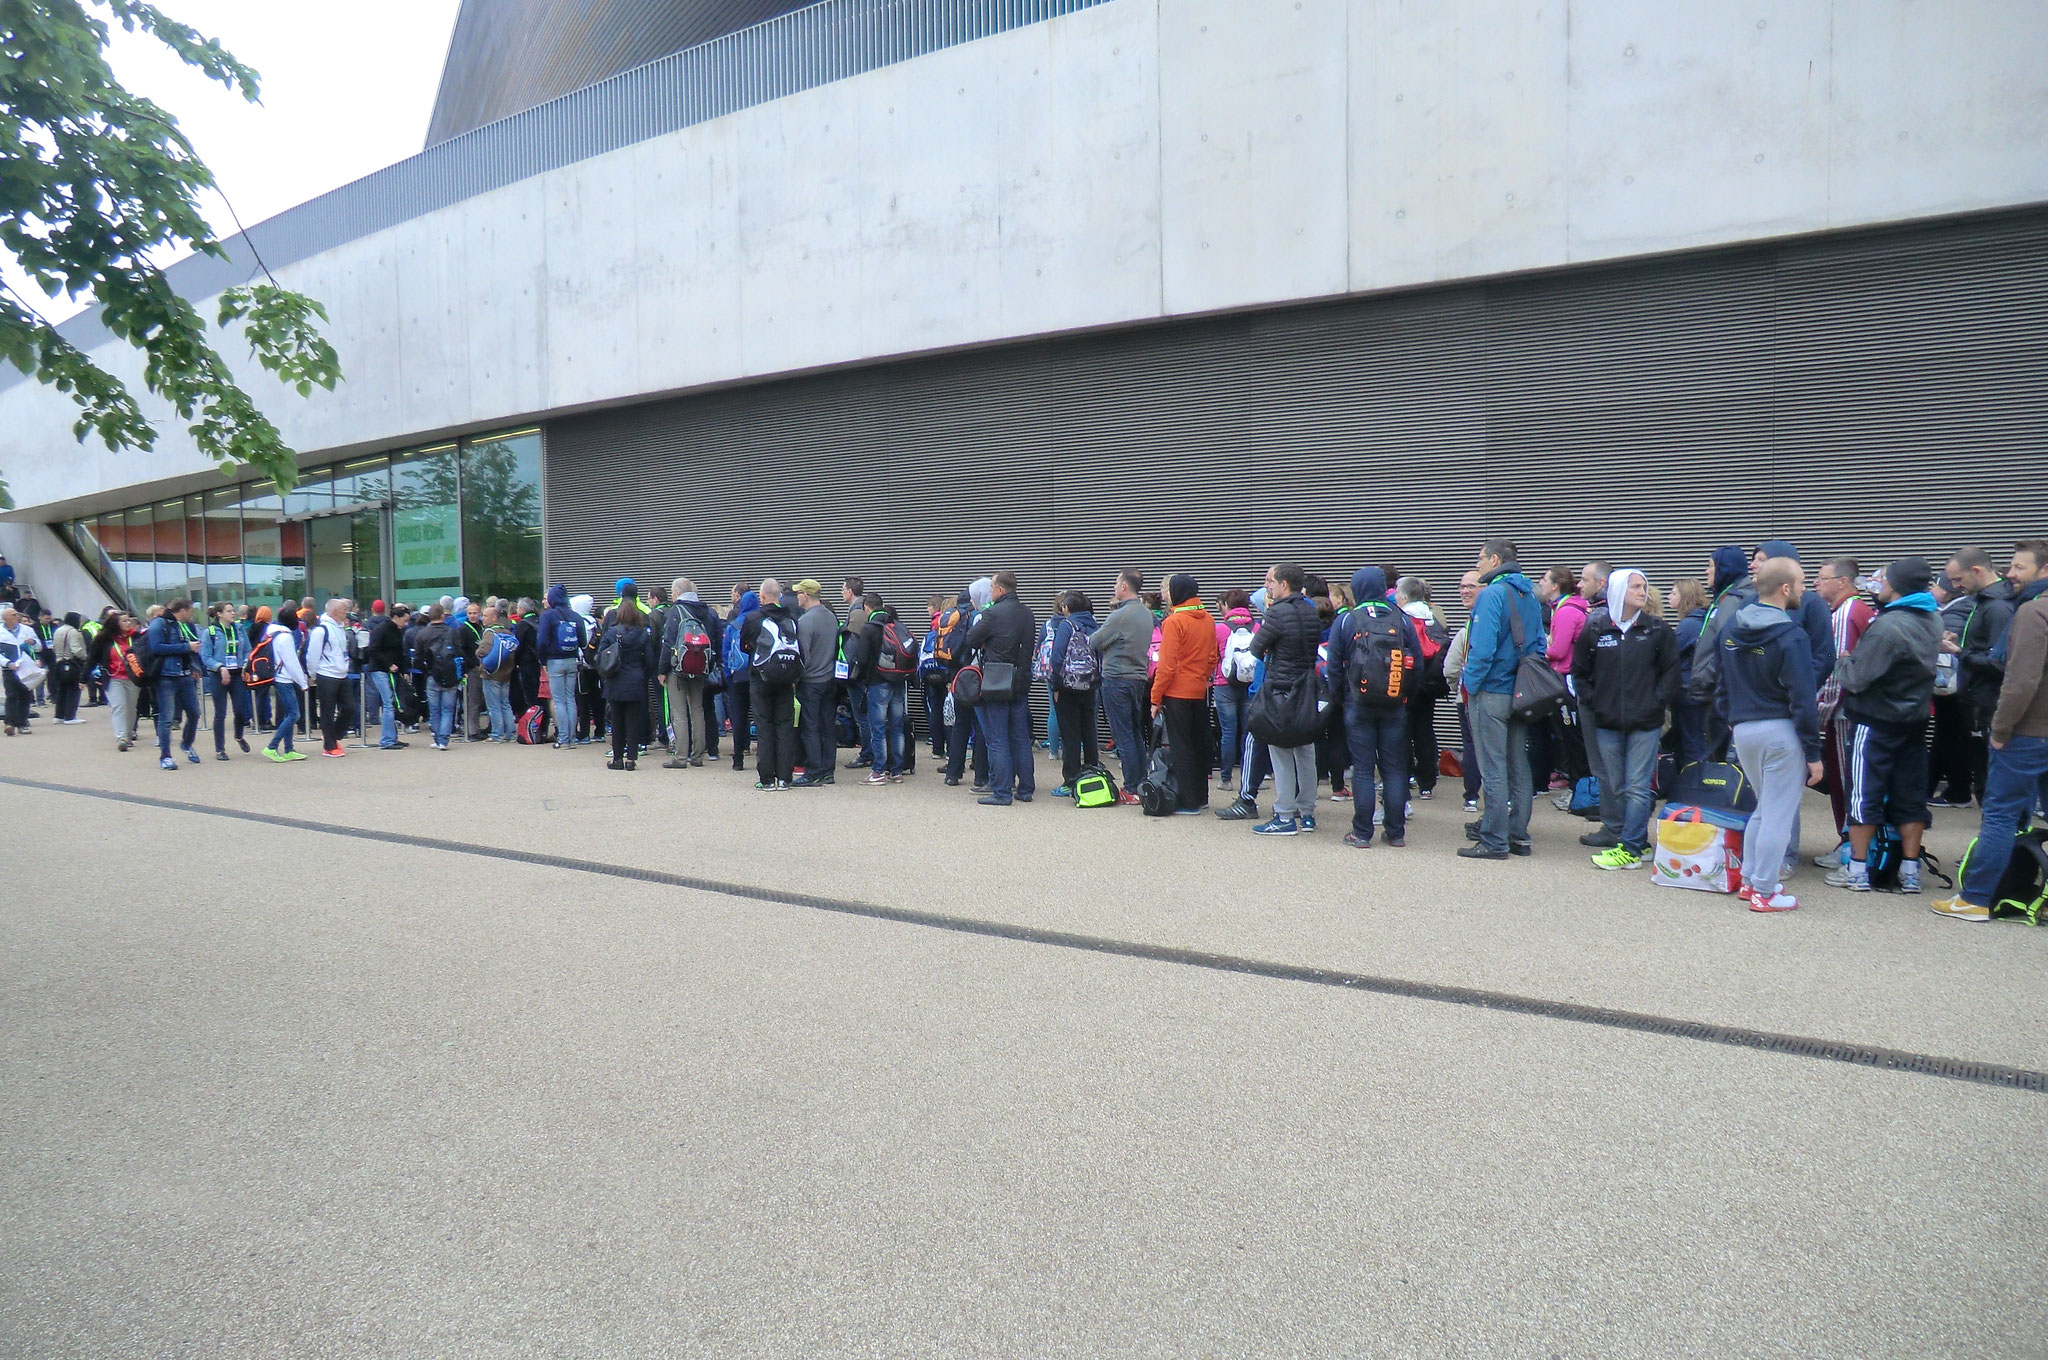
(1308, 821)
(1063, 791)
(190, 754)
(1279, 826)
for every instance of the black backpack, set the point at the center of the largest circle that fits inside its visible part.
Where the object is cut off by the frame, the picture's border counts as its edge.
(2023, 887)
(1378, 663)
(443, 665)
(1159, 794)
(778, 659)
(146, 656)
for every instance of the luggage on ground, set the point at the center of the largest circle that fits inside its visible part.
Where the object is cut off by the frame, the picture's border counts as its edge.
(1698, 848)
(1713, 784)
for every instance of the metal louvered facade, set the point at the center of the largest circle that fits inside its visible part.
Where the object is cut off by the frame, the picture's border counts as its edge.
(1878, 394)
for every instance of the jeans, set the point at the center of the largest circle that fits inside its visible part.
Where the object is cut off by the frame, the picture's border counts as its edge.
(1378, 738)
(1294, 781)
(441, 709)
(1127, 704)
(1231, 702)
(1610, 780)
(1011, 773)
(1422, 747)
(1502, 740)
(233, 695)
(2016, 782)
(888, 717)
(1771, 758)
(1469, 754)
(286, 698)
(176, 694)
(562, 686)
(498, 697)
(817, 747)
(1628, 762)
(1052, 719)
(965, 734)
(739, 707)
(857, 701)
(387, 708)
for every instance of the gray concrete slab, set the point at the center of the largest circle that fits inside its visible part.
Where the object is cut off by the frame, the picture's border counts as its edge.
(286, 1093)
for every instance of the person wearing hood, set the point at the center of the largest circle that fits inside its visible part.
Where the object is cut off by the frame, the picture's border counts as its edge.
(1188, 657)
(1764, 692)
(590, 702)
(560, 637)
(1072, 627)
(1373, 668)
(1727, 577)
(1506, 604)
(1289, 634)
(882, 673)
(1231, 690)
(739, 686)
(1625, 664)
(1887, 688)
(1411, 596)
(772, 631)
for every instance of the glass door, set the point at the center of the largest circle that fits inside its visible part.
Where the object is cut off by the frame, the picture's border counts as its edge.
(345, 557)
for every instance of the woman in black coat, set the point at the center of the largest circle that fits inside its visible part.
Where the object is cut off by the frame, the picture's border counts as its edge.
(626, 688)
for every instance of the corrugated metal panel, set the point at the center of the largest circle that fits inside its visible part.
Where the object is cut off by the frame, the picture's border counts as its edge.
(1878, 395)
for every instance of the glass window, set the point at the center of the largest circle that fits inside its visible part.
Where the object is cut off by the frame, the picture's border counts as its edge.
(223, 523)
(315, 491)
(195, 551)
(501, 515)
(126, 537)
(426, 534)
(363, 482)
(170, 551)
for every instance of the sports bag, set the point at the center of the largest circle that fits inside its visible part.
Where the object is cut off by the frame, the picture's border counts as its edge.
(692, 658)
(1698, 848)
(1159, 794)
(610, 655)
(777, 658)
(966, 688)
(1378, 663)
(528, 728)
(1079, 667)
(949, 634)
(496, 661)
(261, 667)
(1585, 800)
(1095, 787)
(1539, 690)
(1286, 716)
(1713, 784)
(2023, 887)
(736, 658)
(1888, 851)
(1239, 665)
(897, 659)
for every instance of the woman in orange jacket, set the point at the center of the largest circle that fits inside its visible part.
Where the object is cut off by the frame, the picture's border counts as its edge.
(1180, 689)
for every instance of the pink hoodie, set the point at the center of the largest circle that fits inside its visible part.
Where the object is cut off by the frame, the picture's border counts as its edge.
(1565, 627)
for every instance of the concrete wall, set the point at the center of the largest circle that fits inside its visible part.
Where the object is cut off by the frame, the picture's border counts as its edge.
(41, 561)
(1138, 160)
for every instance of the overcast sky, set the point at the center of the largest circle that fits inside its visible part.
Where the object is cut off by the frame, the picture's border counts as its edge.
(347, 88)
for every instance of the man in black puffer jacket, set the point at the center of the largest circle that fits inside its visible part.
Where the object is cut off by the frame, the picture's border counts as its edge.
(1007, 632)
(384, 668)
(1287, 640)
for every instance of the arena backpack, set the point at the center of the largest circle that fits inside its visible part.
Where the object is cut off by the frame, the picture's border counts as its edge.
(693, 647)
(777, 659)
(1378, 664)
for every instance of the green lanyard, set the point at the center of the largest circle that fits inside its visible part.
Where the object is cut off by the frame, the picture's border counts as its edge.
(229, 640)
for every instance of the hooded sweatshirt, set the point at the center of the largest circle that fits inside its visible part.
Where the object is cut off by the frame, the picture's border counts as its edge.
(1369, 588)
(1889, 678)
(560, 634)
(1566, 623)
(1765, 672)
(1187, 653)
(1626, 672)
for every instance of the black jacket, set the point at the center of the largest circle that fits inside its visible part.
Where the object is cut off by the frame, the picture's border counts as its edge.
(1991, 612)
(1628, 679)
(750, 630)
(387, 648)
(1287, 639)
(1889, 678)
(636, 663)
(467, 636)
(1006, 631)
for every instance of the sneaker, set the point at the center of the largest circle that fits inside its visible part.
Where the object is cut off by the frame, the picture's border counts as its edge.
(1394, 842)
(190, 754)
(220, 755)
(952, 781)
(990, 800)
(1189, 812)
(979, 786)
(895, 779)
(335, 753)
(243, 742)
(166, 763)
(1425, 794)
(1602, 839)
(1471, 805)
(1956, 909)
(1480, 852)
(1125, 798)
(782, 786)
(1242, 810)
(1948, 800)
(1853, 876)
(1308, 821)
(1831, 860)
(1063, 791)
(1617, 857)
(1279, 826)
(764, 786)
(1341, 796)
(1521, 849)
(876, 777)
(294, 755)
(1909, 877)
(1471, 831)
(1356, 841)
(1779, 900)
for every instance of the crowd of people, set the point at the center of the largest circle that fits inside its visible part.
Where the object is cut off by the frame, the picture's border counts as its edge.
(1897, 691)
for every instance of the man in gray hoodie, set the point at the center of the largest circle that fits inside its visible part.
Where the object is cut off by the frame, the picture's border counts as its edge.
(817, 633)
(1124, 642)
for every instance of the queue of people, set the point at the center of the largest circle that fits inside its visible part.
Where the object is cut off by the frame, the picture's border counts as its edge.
(1896, 692)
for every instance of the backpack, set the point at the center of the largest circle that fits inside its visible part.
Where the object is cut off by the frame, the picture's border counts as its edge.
(1432, 642)
(777, 659)
(1041, 659)
(736, 658)
(443, 665)
(1585, 800)
(568, 636)
(527, 730)
(1378, 664)
(2023, 887)
(261, 667)
(895, 659)
(1094, 787)
(949, 636)
(1152, 654)
(966, 691)
(1159, 795)
(1239, 665)
(693, 647)
(145, 656)
(1713, 784)
(1079, 667)
(1888, 851)
(496, 660)
(929, 667)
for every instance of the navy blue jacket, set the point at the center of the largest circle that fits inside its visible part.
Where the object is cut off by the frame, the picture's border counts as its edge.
(1766, 671)
(548, 632)
(1343, 685)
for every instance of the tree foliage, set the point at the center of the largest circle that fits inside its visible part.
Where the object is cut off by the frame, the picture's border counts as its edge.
(94, 180)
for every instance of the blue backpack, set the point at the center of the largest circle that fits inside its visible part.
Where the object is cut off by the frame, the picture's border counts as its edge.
(1586, 798)
(735, 656)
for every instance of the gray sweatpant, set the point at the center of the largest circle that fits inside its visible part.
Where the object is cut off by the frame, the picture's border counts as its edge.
(1772, 760)
(1294, 780)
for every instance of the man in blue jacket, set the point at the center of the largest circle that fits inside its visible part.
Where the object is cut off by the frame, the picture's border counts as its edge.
(1376, 728)
(560, 637)
(1765, 695)
(174, 654)
(1506, 601)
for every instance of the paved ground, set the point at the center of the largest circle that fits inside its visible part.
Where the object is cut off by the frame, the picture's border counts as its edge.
(267, 1091)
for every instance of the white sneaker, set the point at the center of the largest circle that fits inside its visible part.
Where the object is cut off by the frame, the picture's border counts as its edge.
(1909, 878)
(1850, 876)
(1831, 860)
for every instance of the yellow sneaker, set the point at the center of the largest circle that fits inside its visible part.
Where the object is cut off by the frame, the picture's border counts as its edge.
(1956, 909)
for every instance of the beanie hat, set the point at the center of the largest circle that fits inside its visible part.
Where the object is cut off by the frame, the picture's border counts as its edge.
(624, 586)
(1180, 588)
(1909, 575)
(1777, 547)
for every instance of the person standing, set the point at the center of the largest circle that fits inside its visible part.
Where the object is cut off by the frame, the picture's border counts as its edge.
(68, 653)
(853, 594)
(1986, 616)
(771, 640)
(817, 693)
(327, 658)
(884, 658)
(1003, 636)
(124, 678)
(691, 644)
(221, 655)
(383, 667)
(1626, 668)
(560, 637)
(1455, 657)
(289, 683)
(625, 689)
(1076, 680)
(1289, 634)
(1687, 605)
(1849, 615)
(739, 675)
(174, 651)
(1507, 626)
(19, 647)
(1188, 657)
(1373, 663)
(1887, 687)
(498, 644)
(1764, 693)
(1124, 642)
(2017, 779)
(1411, 594)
